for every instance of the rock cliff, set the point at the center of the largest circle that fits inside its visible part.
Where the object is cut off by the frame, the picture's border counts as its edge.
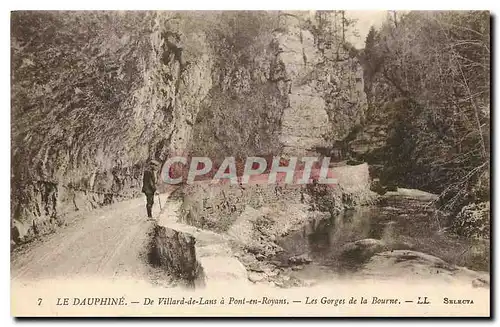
(326, 92)
(96, 94)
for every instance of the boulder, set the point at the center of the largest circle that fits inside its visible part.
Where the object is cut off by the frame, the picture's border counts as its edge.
(362, 250)
(175, 252)
(299, 259)
(409, 264)
(256, 277)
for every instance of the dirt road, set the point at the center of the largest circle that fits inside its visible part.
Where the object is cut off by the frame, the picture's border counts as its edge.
(112, 243)
(109, 242)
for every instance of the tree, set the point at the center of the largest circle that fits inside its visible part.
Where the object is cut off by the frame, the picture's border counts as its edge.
(440, 63)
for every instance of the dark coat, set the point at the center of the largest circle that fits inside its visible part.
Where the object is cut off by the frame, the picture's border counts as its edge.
(149, 182)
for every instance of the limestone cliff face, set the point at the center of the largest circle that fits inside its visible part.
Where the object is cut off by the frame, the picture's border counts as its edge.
(326, 92)
(242, 114)
(95, 94)
(278, 90)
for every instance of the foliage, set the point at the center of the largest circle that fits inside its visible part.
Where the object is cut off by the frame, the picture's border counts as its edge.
(241, 115)
(331, 30)
(437, 65)
(473, 221)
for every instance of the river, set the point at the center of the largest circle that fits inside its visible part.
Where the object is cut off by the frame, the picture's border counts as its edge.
(394, 222)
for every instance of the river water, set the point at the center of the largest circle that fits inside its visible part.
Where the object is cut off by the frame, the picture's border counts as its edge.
(396, 222)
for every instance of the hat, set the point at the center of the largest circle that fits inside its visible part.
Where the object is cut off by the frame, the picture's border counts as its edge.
(154, 163)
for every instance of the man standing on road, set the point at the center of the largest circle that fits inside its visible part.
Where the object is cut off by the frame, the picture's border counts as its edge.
(149, 185)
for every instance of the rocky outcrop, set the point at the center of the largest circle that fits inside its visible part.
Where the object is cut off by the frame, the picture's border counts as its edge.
(298, 57)
(209, 257)
(242, 114)
(417, 265)
(175, 252)
(95, 95)
(280, 91)
(362, 249)
(326, 92)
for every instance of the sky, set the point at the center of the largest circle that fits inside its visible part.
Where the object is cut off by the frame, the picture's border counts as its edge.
(366, 18)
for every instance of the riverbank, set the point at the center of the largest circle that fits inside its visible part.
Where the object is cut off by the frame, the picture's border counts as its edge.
(293, 236)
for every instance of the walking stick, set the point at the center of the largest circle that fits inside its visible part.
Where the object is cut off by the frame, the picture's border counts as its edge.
(159, 201)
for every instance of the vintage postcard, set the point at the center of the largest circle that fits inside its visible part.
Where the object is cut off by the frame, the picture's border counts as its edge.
(250, 163)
